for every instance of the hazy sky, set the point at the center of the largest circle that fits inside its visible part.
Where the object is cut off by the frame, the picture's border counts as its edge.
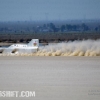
(19, 10)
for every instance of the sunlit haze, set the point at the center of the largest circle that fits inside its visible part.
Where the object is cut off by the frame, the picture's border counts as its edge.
(35, 10)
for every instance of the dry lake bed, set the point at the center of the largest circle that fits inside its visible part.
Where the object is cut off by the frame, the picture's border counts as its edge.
(52, 78)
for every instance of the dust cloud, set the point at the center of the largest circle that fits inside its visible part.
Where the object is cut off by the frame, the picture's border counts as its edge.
(75, 48)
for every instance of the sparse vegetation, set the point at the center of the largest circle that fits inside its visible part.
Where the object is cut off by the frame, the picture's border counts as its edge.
(45, 32)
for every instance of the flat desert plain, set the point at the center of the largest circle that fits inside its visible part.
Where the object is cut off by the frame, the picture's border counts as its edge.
(52, 78)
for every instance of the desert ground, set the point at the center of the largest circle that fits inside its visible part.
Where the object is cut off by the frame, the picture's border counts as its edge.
(52, 78)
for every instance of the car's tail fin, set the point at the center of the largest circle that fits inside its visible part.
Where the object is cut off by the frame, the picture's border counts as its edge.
(34, 43)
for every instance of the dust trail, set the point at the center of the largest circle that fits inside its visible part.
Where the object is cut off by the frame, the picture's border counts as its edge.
(75, 48)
